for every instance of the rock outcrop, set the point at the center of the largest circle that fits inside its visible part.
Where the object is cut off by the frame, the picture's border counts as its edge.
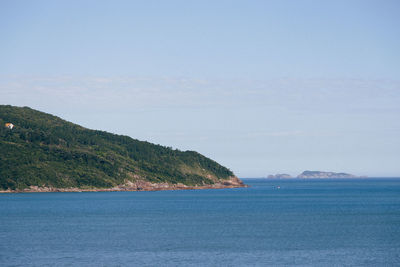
(140, 185)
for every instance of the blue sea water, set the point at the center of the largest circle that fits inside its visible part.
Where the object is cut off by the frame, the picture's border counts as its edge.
(271, 223)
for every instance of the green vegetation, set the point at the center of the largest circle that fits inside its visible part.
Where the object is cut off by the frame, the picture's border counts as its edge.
(44, 150)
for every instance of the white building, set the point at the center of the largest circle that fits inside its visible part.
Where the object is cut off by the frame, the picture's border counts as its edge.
(9, 125)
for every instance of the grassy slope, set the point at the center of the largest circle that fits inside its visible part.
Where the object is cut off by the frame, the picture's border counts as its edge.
(45, 150)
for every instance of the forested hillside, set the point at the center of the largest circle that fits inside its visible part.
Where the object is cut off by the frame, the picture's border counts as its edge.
(44, 150)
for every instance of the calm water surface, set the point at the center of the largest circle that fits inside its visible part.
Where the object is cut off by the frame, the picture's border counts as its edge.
(304, 222)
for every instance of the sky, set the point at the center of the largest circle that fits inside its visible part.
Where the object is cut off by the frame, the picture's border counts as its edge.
(262, 87)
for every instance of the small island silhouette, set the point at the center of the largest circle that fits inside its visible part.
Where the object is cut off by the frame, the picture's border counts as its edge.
(315, 174)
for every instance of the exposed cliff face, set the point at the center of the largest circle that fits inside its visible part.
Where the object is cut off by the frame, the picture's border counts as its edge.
(319, 174)
(45, 153)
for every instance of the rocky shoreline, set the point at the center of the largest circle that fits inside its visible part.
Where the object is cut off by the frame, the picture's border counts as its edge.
(233, 182)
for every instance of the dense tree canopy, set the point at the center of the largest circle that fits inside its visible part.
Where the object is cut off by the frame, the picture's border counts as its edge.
(45, 150)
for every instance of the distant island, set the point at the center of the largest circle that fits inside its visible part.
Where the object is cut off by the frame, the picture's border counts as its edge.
(319, 174)
(279, 176)
(40, 152)
(314, 174)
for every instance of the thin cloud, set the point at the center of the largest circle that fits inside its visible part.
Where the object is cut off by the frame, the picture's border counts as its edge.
(161, 92)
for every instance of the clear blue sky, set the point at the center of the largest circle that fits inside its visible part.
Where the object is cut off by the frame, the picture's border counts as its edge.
(260, 86)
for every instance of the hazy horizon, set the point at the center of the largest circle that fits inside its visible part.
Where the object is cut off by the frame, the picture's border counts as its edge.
(262, 87)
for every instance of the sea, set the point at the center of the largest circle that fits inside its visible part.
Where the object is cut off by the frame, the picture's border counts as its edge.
(311, 222)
